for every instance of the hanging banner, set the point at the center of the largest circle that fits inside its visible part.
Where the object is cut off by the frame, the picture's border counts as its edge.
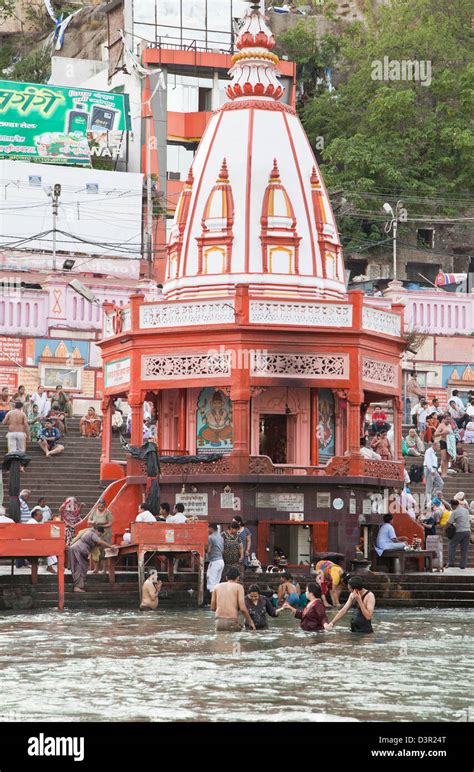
(51, 123)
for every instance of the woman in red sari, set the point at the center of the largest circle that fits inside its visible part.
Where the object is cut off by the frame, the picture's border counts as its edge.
(313, 616)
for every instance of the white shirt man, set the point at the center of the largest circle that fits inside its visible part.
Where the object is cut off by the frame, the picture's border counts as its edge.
(4, 518)
(422, 416)
(35, 519)
(45, 511)
(145, 516)
(430, 459)
(458, 401)
(470, 410)
(408, 503)
(415, 411)
(176, 517)
(434, 481)
(40, 399)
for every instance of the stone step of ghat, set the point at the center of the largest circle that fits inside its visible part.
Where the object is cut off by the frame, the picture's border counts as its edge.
(427, 590)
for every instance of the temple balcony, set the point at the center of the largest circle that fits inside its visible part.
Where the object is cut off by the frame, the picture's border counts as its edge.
(249, 308)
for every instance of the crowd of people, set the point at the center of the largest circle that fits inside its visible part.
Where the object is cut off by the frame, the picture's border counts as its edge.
(229, 600)
(42, 418)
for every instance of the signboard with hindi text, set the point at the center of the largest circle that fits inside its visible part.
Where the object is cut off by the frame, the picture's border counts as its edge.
(117, 372)
(282, 502)
(40, 122)
(195, 504)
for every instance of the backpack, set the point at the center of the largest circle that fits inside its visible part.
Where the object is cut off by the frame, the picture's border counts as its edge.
(231, 549)
(416, 473)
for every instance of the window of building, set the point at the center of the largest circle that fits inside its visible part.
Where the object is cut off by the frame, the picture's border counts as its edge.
(204, 99)
(184, 92)
(425, 238)
(427, 270)
(178, 160)
(206, 23)
(356, 267)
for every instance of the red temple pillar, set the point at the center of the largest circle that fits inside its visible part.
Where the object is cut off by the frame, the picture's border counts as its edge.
(107, 407)
(314, 427)
(182, 420)
(135, 401)
(354, 423)
(159, 420)
(397, 428)
(240, 396)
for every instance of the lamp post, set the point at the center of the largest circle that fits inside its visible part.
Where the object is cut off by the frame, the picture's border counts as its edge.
(392, 225)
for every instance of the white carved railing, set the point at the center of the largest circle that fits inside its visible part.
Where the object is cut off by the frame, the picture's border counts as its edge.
(269, 364)
(175, 367)
(301, 314)
(24, 315)
(381, 321)
(440, 313)
(186, 314)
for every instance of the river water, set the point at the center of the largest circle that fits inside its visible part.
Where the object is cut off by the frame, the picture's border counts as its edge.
(171, 666)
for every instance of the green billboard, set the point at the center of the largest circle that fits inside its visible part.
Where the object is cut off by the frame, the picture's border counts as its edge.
(50, 123)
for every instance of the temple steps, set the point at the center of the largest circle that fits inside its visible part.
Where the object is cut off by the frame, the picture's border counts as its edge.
(409, 590)
(74, 473)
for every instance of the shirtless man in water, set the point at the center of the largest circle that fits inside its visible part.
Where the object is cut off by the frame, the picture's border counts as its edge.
(18, 429)
(228, 598)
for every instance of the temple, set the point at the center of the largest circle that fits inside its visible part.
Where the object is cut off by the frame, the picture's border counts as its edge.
(256, 352)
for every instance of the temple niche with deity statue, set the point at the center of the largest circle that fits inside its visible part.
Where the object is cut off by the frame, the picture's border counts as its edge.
(257, 353)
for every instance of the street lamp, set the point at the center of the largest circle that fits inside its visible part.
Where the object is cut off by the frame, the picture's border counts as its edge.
(392, 224)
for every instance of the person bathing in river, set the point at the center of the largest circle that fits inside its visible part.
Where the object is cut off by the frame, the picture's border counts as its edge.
(333, 577)
(150, 591)
(259, 608)
(288, 591)
(362, 601)
(313, 616)
(228, 598)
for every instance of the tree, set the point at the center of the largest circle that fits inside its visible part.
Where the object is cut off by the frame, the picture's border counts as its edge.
(399, 138)
(311, 55)
(34, 68)
(7, 9)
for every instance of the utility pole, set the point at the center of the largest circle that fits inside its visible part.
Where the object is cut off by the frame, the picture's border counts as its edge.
(149, 208)
(392, 225)
(55, 202)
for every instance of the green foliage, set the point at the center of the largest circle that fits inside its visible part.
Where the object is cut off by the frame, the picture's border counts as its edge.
(34, 68)
(7, 8)
(312, 56)
(389, 139)
(7, 51)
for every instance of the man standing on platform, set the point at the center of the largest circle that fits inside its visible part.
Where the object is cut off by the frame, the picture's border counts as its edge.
(215, 551)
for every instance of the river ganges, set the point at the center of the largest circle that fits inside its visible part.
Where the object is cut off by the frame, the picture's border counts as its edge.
(171, 666)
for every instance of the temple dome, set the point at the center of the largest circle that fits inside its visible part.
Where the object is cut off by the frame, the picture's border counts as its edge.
(254, 209)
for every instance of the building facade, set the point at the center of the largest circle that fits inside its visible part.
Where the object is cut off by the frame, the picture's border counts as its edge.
(257, 360)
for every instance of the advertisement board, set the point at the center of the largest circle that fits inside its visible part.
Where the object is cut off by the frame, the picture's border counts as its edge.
(51, 123)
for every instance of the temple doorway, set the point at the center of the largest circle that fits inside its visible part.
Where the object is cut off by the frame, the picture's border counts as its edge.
(274, 437)
(293, 541)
